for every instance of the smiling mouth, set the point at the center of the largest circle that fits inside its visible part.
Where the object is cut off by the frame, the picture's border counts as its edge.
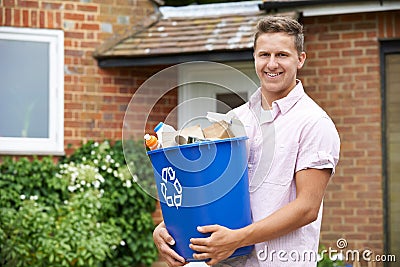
(273, 75)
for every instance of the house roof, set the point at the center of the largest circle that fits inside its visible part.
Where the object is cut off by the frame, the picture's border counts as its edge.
(218, 32)
(183, 35)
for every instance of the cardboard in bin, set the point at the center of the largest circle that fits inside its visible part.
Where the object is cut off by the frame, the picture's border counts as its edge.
(218, 130)
(202, 183)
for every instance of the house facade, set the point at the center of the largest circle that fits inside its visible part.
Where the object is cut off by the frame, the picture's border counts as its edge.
(99, 54)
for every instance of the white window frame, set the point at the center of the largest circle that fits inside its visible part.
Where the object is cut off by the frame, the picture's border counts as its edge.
(54, 144)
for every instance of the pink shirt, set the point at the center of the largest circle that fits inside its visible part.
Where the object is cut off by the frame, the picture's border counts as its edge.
(295, 135)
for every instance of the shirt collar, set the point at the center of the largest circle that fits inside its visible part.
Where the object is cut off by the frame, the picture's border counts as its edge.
(282, 105)
(286, 103)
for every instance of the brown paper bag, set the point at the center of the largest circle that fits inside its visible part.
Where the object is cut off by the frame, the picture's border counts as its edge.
(218, 130)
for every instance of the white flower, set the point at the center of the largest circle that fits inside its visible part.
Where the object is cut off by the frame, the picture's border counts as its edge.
(22, 197)
(117, 165)
(109, 170)
(92, 152)
(122, 243)
(103, 167)
(83, 182)
(115, 173)
(96, 161)
(83, 158)
(71, 188)
(66, 202)
(129, 184)
(33, 197)
(96, 184)
(99, 177)
(134, 178)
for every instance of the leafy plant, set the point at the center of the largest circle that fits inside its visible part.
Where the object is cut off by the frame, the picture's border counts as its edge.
(86, 210)
(123, 201)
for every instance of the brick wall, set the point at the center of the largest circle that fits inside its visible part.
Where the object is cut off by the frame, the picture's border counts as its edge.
(95, 99)
(342, 75)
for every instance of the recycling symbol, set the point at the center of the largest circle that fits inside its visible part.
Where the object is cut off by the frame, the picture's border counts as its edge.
(168, 177)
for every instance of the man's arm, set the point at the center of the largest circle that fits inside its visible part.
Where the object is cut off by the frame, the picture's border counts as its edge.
(310, 190)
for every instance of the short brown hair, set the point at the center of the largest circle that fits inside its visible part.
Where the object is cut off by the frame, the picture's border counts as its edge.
(272, 24)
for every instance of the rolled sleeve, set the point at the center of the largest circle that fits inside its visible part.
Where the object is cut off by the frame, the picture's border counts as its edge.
(319, 146)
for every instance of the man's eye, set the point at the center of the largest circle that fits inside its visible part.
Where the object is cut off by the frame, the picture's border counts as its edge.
(281, 55)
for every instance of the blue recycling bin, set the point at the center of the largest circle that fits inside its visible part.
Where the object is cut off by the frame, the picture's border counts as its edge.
(202, 183)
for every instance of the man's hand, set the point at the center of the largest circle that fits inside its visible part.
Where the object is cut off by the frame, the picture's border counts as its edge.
(219, 246)
(163, 241)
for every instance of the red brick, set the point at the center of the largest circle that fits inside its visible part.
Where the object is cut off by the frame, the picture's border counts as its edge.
(87, 8)
(34, 18)
(352, 35)
(341, 27)
(8, 17)
(74, 16)
(352, 53)
(328, 54)
(328, 71)
(340, 44)
(42, 23)
(8, 3)
(29, 4)
(17, 17)
(51, 5)
(90, 26)
(328, 36)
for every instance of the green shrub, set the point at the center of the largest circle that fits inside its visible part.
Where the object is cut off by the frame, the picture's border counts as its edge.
(85, 211)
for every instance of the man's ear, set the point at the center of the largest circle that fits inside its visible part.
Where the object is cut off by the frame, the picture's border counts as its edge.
(302, 59)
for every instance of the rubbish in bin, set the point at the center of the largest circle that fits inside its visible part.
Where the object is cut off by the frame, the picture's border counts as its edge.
(151, 142)
(165, 134)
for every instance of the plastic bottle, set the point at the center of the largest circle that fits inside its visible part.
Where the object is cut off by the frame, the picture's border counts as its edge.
(151, 141)
(162, 127)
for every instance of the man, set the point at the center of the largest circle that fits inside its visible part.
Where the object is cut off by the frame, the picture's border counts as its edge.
(288, 176)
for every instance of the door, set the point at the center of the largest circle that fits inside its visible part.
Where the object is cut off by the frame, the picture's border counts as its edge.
(391, 130)
(215, 87)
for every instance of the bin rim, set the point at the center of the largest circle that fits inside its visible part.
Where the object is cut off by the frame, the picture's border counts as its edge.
(205, 142)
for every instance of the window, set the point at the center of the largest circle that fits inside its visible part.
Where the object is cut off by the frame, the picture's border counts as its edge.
(31, 91)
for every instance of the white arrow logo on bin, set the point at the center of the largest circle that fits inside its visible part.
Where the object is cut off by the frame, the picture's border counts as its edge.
(168, 175)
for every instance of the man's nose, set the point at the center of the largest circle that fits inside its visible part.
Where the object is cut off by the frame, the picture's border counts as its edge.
(272, 63)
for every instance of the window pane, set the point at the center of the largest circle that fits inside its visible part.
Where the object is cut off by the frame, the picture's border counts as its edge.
(24, 89)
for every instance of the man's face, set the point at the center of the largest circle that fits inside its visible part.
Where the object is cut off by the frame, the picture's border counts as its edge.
(277, 61)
